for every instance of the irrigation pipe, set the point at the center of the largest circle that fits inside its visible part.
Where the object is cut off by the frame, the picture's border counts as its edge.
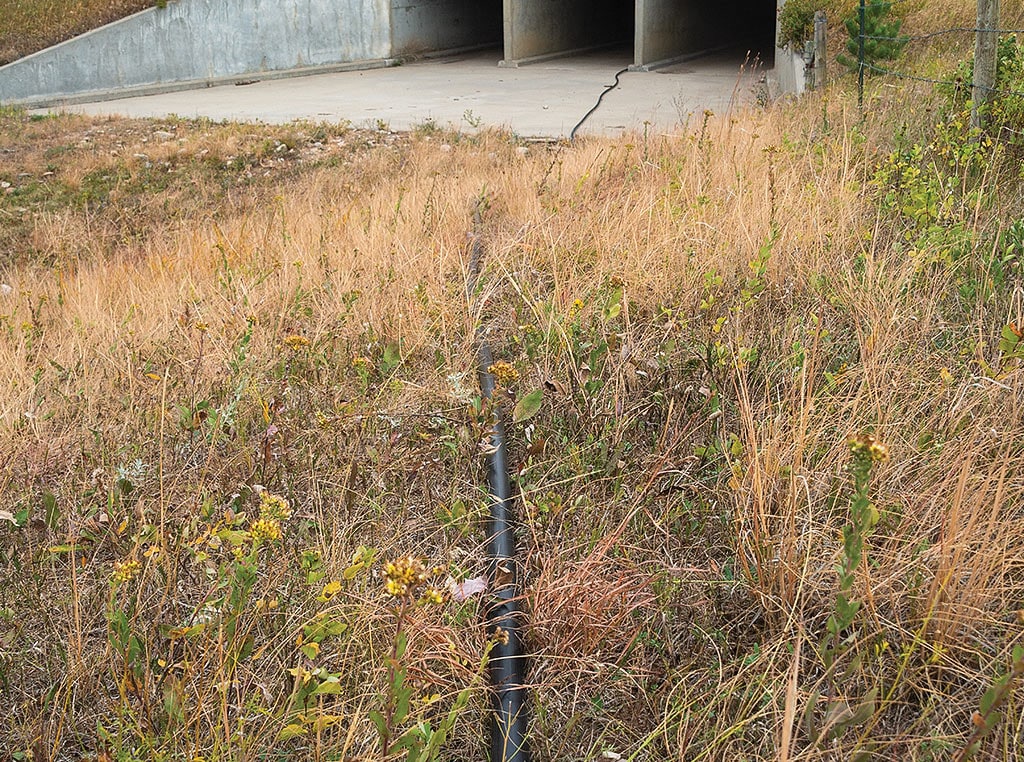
(508, 721)
(509, 718)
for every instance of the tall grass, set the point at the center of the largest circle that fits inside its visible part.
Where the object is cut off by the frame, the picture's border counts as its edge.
(712, 316)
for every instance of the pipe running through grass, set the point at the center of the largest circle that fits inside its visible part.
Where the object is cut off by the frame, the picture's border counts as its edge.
(508, 721)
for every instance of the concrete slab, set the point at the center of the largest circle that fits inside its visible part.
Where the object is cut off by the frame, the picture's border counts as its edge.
(543, 100)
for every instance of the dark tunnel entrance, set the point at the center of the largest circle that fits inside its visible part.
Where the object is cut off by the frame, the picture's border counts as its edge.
(756, 32)
(657, 30)
(540, 29)
(432, 26)
(671, 29)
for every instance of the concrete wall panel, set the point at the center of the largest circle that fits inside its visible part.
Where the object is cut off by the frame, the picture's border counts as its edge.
(421, 26)
(196, 40)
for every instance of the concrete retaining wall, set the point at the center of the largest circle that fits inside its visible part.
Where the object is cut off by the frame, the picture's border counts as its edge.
(789, 75)
(422, 26)
(202, 40)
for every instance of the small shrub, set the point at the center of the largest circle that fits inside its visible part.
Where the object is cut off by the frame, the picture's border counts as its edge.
(1006, 109)
(796, 22)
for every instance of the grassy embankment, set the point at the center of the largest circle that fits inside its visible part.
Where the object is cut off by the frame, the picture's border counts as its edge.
(196, 319)
(30, 25)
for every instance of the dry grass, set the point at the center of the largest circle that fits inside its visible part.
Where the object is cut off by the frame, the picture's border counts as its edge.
(683, 489)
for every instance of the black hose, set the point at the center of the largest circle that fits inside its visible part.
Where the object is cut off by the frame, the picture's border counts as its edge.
(508, 724)
(608, 89)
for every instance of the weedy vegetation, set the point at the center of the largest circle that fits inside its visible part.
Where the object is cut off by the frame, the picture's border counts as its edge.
(765, 386)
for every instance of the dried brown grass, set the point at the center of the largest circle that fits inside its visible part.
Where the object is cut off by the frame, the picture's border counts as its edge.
(677, 594)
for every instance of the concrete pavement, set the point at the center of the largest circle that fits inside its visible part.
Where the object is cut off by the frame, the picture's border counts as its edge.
(542, 100)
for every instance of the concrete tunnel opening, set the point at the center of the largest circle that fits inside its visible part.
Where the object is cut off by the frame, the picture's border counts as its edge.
(654, 31)
(423, 27)
(756, 31)
(536, 30)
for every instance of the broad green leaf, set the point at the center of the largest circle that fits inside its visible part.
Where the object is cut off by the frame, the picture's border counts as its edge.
(331, 685)
(233, 537)
(865, 709)
(351, 571)
(989, 699)
(402, 705)
(52, 510)
(392, 356)
(1010, 340)
(172, 701)
(528, 406)
(173, 633)
(378, 722)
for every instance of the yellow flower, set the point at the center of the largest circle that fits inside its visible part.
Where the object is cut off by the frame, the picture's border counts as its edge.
(431, 596)
(295, 342)
(869, 448)
(266, 529)
(125, 570)
(878, 452)
(404, 576)
(274, 507)
(505, 373)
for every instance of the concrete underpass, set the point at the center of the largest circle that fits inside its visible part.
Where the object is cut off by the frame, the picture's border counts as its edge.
(203, 43)
(657, 31)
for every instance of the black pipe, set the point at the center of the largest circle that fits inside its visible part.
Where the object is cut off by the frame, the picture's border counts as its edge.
(508, 723)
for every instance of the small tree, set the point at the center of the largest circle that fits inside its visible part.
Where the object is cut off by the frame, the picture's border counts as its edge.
(882, 38)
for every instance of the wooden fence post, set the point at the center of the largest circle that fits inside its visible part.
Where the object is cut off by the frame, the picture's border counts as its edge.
(820, 50)
(986, 43)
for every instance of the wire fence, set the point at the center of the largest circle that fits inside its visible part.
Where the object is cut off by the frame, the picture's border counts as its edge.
(860, 53)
